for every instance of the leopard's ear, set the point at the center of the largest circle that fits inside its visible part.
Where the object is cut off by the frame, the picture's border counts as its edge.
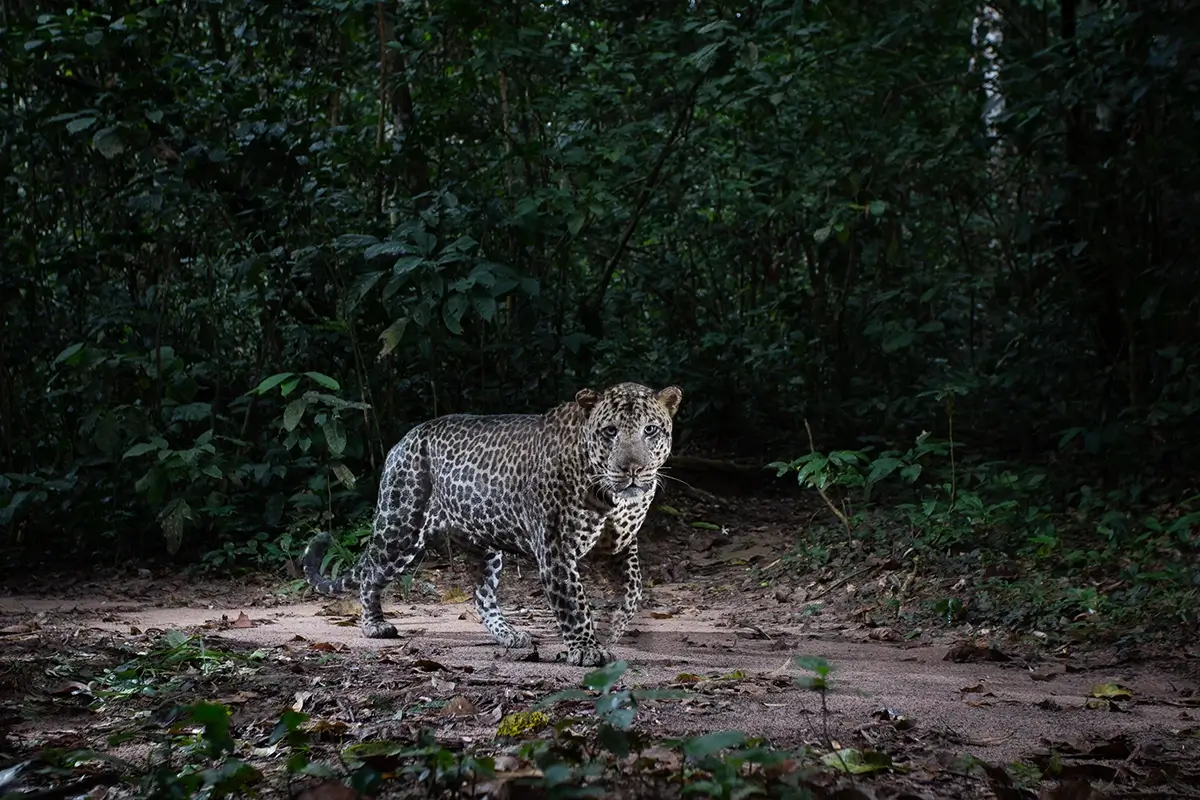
(587, 399)
(670, 398)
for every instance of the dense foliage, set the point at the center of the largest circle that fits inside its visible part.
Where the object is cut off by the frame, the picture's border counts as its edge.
(880, 217)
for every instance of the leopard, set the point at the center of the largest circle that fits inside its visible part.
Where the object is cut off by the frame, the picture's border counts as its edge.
(545, 487)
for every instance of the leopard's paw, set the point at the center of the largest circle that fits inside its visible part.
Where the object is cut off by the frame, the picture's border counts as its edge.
(586, 656)
(379, 630)
(517, 640)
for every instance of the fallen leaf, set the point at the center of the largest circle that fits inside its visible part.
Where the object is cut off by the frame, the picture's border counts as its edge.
(1102, 704)
(242, 621)
(459, 706)
(300, 698)
(1002, 784)
(1111, 691)
(454, 595)
(69, 687)
(968, 652)
(898, 720)
(237, 698)
(521, 723)
(1078, 789)
(341, 607)
(332, 727)
(15, 630)
(661, 614)
(379, 755)
(856, 762)
(426, 665)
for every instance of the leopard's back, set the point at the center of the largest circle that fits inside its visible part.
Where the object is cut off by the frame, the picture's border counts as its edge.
(490, 478)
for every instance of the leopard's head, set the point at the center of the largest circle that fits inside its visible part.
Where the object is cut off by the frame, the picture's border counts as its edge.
(627, 436)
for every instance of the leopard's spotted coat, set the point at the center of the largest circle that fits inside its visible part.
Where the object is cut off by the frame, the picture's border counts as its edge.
(545, 486)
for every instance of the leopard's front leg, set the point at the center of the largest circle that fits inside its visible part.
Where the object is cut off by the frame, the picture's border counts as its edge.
(627, 571)
(559, 572)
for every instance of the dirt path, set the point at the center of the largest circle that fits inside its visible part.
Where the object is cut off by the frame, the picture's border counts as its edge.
(724, 619)
(741, 652)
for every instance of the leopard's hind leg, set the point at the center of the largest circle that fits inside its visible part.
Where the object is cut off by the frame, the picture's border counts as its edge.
(486, 603)
(397, 540)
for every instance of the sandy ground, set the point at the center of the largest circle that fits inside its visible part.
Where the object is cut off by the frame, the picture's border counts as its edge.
(743, 654)
(723, 619)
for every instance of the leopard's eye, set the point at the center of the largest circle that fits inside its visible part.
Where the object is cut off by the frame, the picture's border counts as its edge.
(610, 431)
(652, 430)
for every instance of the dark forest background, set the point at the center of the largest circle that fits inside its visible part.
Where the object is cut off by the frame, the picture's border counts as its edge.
(246, 245)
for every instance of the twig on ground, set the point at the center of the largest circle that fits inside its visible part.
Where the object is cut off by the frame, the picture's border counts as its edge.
(841, 582)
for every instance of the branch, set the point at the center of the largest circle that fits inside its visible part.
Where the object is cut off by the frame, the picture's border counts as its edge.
(685, 114)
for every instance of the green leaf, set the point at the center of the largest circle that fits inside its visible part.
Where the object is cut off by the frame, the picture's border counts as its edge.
(270, 383)
(575, 223)
(882, 467)
(406, 265)
(389, 248)
(485, 306)
(821, 234)
(293, 413)
(814, 664)
(108, 142)
(335, 436)
(325, 381)
(712, 743)
(213, 471)
(354, 241)
(462, 244)
(362, 284)
(452, 311)
(425, 241)
(215, 719)
(343, 474)
(34, 44)
(392, 335)
(856, 762)
(80, 124)
(614, 740)
(606, 677)
(558, 697)
(67, 353)
(289, 386)
(140, 450)
(877, 208)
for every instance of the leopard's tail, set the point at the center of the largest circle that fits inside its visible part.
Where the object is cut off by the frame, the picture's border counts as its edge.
(314, 554)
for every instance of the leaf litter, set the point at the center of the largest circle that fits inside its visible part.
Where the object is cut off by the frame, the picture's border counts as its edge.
(901, 713)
